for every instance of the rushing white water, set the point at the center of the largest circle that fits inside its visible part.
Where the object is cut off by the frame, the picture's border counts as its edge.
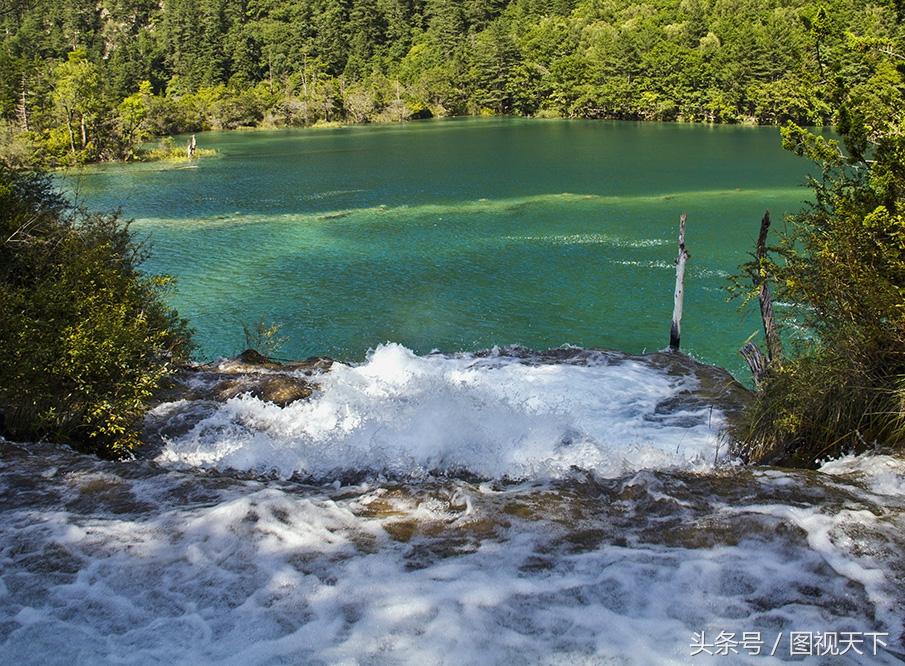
(494, 416)
(557, 508)
(129, 563)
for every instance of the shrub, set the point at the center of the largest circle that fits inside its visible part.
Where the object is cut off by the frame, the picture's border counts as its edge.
(86, 337)
(263, 338)
(843, 265)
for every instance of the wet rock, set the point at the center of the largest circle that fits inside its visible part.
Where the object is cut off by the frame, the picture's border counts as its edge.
(278, 388)
(249, 372)
(195, 391)
(313, 365)
(281, 390)
(715, 387)
(401, 530)
(252, 357)
(251, 361)
(583, 540)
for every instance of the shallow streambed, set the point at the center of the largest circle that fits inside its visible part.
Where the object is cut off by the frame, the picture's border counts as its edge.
(134, 563)
(261, 534)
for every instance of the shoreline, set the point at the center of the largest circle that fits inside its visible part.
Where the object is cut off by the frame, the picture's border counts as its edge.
(344, 124)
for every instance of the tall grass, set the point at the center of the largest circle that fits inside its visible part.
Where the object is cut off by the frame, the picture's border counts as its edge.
(823, 404)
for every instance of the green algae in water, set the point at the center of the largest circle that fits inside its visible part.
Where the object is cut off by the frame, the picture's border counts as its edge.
(460, 235)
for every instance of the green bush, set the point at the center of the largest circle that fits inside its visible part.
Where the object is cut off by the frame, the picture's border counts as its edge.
(85, 336)
(842, 266)
(263, 338)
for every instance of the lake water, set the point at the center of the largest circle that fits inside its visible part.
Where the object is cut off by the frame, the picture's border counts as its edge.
(459, 235)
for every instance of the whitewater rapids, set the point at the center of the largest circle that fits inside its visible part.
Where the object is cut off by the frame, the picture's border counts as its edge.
(503, 414)
(507, 507)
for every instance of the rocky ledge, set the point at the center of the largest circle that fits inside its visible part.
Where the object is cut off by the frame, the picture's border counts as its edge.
(249, 372)
(197, 390)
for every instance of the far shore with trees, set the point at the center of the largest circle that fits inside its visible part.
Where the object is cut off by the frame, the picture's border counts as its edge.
(87, 82)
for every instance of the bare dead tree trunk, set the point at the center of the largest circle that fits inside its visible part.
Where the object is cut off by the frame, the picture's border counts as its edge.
(305, 83)
(756, 361)
(754, 357)
(23, 105)
(675, 331)
(69, 127)
(270, 70)
(774, 343)
(84, 130)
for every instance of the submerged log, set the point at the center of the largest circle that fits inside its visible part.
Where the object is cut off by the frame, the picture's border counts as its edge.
(675, 331)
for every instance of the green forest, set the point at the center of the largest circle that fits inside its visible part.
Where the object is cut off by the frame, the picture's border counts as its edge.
(83, 82)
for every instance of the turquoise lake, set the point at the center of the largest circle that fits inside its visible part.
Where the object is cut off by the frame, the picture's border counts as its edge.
(458, 235)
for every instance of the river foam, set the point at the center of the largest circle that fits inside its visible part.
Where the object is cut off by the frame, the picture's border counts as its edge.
(105, 562)
(505, 507)
(493, 415)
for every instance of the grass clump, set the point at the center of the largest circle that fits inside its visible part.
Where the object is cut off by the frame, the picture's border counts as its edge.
(264, 338)
(167, 150)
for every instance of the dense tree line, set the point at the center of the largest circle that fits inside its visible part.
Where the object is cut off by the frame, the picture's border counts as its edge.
(87, 81)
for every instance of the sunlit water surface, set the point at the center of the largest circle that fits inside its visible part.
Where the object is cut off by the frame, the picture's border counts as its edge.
(459, 235)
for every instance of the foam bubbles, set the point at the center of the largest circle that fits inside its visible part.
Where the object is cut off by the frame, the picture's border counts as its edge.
(494, 416)
(133, 563)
